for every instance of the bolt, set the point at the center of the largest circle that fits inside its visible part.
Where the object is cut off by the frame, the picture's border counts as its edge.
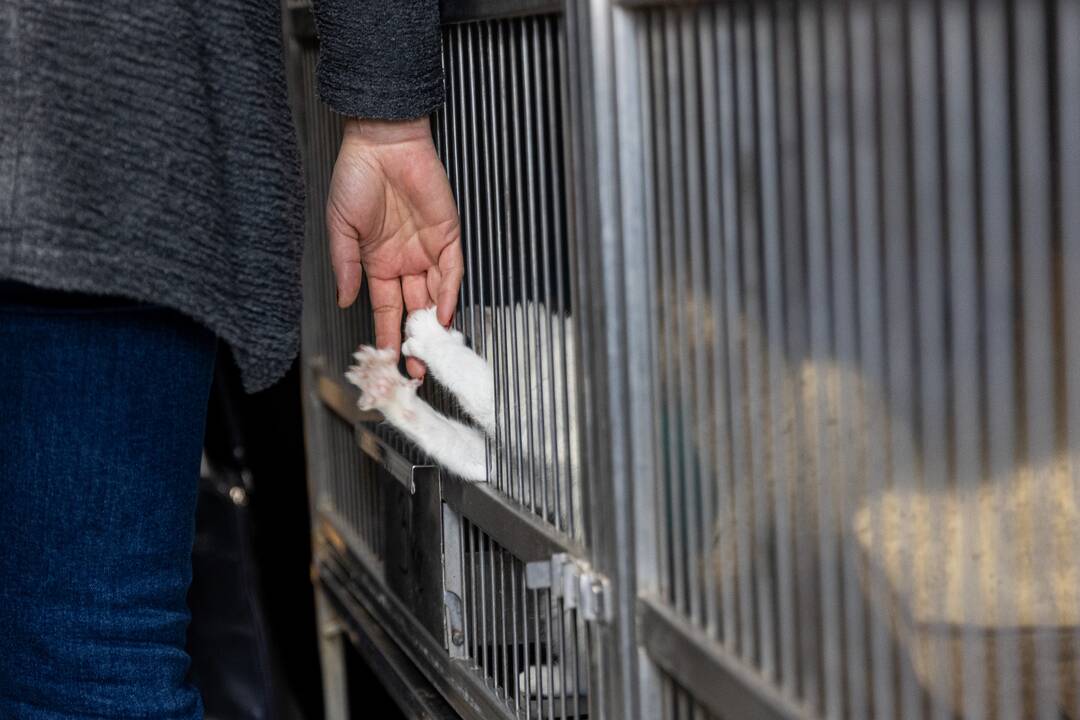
(238, 496)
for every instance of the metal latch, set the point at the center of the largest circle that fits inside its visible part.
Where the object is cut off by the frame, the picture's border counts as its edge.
(575, 583)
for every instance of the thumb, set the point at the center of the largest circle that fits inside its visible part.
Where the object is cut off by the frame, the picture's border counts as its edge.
(345, 258)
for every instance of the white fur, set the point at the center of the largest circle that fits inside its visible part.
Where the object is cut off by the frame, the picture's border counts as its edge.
(454, 445)
(533, 354)
(453, 365)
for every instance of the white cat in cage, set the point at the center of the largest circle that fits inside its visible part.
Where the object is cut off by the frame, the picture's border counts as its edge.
(537, 361)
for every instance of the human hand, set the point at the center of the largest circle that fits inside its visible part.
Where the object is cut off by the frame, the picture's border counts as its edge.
(391, 215)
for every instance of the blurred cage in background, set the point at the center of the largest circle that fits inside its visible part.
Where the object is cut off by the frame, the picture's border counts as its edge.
(788, 291)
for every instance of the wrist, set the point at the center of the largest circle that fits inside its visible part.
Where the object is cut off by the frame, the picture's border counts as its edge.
(388, 132)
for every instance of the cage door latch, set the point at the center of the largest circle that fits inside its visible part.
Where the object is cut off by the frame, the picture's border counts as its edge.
(575, 583)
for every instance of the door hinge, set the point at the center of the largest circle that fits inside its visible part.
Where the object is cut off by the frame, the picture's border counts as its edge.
(575, 583)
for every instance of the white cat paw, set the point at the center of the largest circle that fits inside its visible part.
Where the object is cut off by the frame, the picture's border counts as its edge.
(381, 384)
(424, 334)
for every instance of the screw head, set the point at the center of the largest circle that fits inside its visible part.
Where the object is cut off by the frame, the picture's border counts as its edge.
(238, 495)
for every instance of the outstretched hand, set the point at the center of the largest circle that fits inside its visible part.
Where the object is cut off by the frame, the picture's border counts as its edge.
(391, 215)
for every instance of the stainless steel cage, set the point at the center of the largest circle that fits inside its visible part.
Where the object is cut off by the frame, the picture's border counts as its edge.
(788, 291)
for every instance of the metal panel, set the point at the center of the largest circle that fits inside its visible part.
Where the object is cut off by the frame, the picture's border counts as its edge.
(856, 239)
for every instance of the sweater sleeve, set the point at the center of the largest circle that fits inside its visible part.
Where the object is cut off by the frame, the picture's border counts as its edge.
(380, 58)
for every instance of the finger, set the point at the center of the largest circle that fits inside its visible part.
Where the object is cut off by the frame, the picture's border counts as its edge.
(434, 280)
(415, 290)
(415, 368)
(386, 307)
(345, 259)
(452, 267)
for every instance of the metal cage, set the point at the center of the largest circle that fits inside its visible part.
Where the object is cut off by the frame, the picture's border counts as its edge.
(788, 292)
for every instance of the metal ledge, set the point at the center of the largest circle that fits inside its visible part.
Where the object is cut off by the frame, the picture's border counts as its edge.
(341, 398)
(720, 682)
(355, 592)
(400, 467)
(525, 535)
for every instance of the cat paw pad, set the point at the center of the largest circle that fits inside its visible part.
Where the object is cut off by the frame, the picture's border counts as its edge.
(381, 384)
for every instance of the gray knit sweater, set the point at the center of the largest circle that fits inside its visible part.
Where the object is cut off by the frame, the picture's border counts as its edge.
(146, 149)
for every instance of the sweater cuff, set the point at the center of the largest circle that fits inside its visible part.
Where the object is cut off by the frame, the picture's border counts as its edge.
(380, 59)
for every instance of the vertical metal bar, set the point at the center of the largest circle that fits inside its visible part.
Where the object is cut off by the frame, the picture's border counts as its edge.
(516, 651)
(1068, 153)
(555, 380)
(528, 260)
(474, 69)
(540, 240)
(493, 671)
(675, 342)
(499, 195)
(846, 487)
(504, 647)
(493, 341)
(580, 669)
(555, 68)
(610, 490)
(517, 342)
(462, 70)
(470, 604)
(540, 661)
(780, 400)
(996, 223)
(483, 547)
(565, 305)
(563, 660)
(716, 219)
(754, 389)
(332, 660)
(1034, 192)
(900, 337)
(930, 303)
(818, 392)
(550, 665)
(962, 284)
(454, 579)
(528, 665)
(695, 437)
(735, 512)
(708, 236)
(671, 582)
(872, 415)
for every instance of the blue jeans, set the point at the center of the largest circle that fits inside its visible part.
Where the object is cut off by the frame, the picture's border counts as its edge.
(102, 409)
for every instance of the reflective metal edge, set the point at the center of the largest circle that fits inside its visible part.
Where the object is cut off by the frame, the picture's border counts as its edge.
(352, 589)
(721, 683)
(525, 535)
(340, 398)
(400, 468)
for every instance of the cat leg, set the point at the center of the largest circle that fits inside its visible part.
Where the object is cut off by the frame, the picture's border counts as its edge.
(453, 445)
(455, 366)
